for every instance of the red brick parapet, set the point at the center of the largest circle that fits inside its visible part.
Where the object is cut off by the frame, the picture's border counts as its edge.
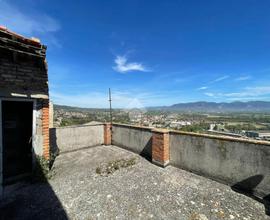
(45, 129)
(160, 147)
(107, 134)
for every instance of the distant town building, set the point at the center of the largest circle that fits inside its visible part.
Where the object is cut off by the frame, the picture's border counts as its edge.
(263, 135)
(179, 124)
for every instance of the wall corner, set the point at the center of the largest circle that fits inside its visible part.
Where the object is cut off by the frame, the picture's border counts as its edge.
(160, 147)
(107, 134)
(45, 129)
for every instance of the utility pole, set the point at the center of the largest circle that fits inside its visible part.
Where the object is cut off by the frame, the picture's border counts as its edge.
(110, 100)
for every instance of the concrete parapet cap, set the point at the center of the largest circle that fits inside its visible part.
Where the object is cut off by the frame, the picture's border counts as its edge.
(160, 130)
(220, 137)
(165, 131)
(77, 126)
(107, 123)
(132, 126)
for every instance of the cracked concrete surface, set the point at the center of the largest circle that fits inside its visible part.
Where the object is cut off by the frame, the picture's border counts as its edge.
(141, 191)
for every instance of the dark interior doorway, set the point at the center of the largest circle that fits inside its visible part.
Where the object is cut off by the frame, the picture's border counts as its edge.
(17, 123)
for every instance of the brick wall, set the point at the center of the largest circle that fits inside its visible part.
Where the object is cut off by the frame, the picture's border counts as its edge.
(107, 133)
(27, 76)
(160, 147)
(23, 67)
(23, 74)
(45, 129)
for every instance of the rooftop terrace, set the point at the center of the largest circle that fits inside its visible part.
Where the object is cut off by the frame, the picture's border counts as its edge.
(109, 172)
(139, 191)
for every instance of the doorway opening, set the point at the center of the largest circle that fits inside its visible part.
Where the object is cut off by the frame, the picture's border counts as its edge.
(17, 122)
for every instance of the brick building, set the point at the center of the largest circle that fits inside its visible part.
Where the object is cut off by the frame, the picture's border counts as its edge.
(24, 105)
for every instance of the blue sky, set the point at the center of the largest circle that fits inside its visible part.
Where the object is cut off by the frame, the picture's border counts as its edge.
(150, 53)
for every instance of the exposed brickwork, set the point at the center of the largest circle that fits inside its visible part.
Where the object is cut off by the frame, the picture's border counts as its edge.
(23, 74)
(23, 68)
(160, 147)
(107, 134)
(27, 78)
(45, 129)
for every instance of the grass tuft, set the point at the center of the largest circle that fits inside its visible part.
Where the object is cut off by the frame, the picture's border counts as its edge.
(113, 166)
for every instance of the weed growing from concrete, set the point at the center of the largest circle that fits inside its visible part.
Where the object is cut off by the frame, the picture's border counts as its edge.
(111, 167)
(42, 170)
(98, 170)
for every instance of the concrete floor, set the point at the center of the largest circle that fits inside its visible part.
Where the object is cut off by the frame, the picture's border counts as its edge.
(141, 191)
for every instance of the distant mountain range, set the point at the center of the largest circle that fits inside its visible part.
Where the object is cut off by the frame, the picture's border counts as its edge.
(251, 106)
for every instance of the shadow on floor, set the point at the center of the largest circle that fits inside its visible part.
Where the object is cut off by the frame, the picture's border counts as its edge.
(53, 146)
(32, 198)
(247, 186)
(147, 151)
(266, 201)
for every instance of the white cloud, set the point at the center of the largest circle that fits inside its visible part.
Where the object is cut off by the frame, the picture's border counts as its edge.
(202, 88)
(123, 66)
(243, 78)
(250, 92)
(245, 94)
(261, 98)
(29, 24)
(120, 99)
(82, 100)
(220, 79)
(210, 94)
(98, 99)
